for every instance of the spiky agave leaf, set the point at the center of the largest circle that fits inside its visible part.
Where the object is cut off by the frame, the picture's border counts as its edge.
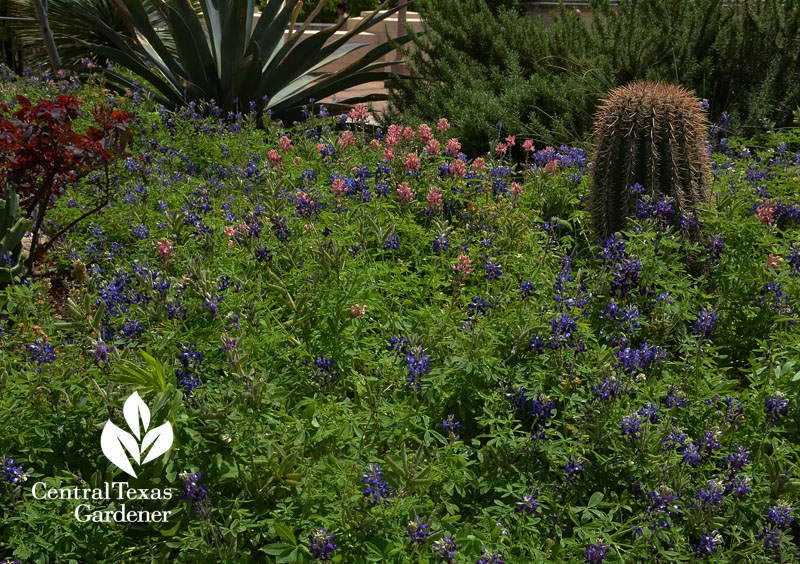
(218, 54)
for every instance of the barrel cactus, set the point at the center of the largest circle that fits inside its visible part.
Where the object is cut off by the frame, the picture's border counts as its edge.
(12, 229)
(650, 134)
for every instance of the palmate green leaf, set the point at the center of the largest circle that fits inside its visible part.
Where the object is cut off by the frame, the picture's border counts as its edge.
(218, 54)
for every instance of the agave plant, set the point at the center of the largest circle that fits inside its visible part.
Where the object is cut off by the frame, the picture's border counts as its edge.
(218, 54)
(72, 36)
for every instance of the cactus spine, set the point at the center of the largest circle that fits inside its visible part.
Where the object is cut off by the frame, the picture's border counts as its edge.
(653, 134)
(12, 229)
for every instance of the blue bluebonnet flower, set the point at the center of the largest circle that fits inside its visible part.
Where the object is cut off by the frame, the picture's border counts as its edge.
(131, 329)
(398, 346)
(417, 362)
(711, 495)
(626, 319)
(536, 345)
(279, 228)
(175, 309)
(690, 453)
(740, 485)
(775, 407)
(779, 517)
(42, 352)
(650, 208)
(734, 411)
(632, 360)
(793, 260)
(708, 545)
(637, 189)
(775, 298)
(489, 557)
(528, 503)
(101, 352)
(196, 494)
(492, 270)
(450, 426)
(632, 426)
(354, 250)
(675, 398)
(211, 304)
(191, 361)
(573, 468)
(322, 546)
(705, 324)
(446, 548)
(595, 553)
(675, 438)
(263, 254)
(772, 538)
(662, 502)
(542, 408)
(526, 288)
(417, 531)
(627, 274)
(141, 232)
(562, 328)
(478, 307)
(12, 473)
(780, 514)
(392, 243)
(518, 397)
(649, 411)
(608, 389)
(716, 246)
(375, 486)
(323, 373)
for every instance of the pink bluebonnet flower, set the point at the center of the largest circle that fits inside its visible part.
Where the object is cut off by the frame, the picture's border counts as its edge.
(274, 157)
(774, 262)
(347, 139)
(434, 199)
(463, 265)
(285, 143)
(165, 248)
(359, 113)
(404, 193)
(453, 147)
(412, 161)
(479, 163)
(443, 124)
(458, 168)
(766, 212)
(357, 310)
(425, 133)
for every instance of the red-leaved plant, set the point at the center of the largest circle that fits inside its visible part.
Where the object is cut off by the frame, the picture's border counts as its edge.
(40, 153)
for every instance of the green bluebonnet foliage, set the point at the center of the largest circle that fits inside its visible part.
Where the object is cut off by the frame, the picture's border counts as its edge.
(12, 229)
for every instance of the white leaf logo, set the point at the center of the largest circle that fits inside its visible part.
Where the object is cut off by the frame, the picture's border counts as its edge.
(118, 445)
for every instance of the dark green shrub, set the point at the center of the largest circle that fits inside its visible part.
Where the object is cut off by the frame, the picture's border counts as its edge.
(477, 68)
(471, 65)
(652, 134)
